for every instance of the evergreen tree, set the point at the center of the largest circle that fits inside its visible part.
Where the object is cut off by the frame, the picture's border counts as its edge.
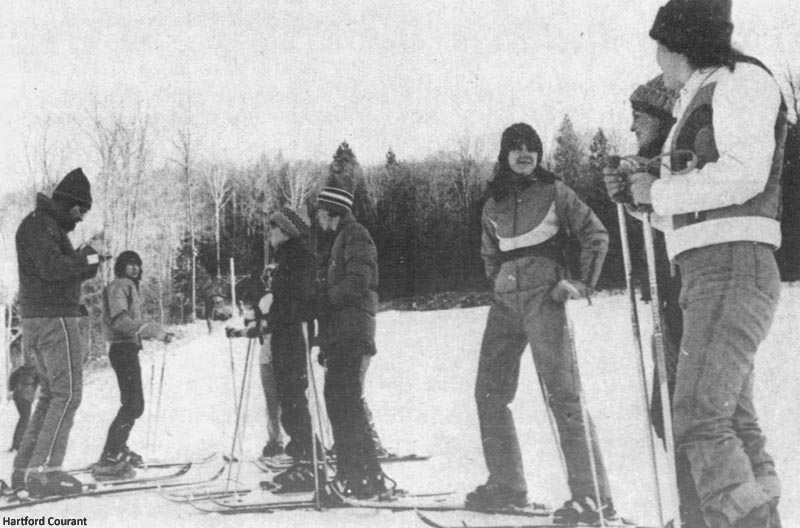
(568, 155)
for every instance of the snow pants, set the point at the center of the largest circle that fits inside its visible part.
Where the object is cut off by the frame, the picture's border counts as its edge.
(270, 386)
(729, 297)
(362, 376)
(124, 358)
(24, 406)
(289, 366)
(516, 320)
(355, 448)
(56, 344)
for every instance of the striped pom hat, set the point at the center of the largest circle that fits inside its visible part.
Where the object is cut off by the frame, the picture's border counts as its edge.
(335, 200)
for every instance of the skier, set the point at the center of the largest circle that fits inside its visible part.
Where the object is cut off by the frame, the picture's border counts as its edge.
(23, 383)
(292, 290)
(721, 226)
(526, 224)
(652, 105)
(347, 303)
(124, 329)
(51, 271)
(256, 301)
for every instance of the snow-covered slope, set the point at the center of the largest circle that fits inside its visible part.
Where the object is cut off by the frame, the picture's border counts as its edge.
(420, 390)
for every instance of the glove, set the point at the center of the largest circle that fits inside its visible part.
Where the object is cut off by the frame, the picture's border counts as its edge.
(253, 332)
(616, 183)
(640, 188)
(566, 289)
(233, 332)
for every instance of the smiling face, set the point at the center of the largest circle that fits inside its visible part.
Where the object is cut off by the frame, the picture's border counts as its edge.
(132, 270)
(522, 161)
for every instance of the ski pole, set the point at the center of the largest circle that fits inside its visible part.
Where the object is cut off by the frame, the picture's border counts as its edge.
(248, 383)
(160, 390)
(553, 426)
(661, 364)
(150, 402)
(584, 416)
(613, 163)
(239, 406)
(233, 372)
(314, 418)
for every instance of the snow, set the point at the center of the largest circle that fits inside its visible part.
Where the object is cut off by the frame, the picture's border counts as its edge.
(420, 389)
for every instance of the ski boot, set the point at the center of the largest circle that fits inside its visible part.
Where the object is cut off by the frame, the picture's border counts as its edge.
(48, 483)
(491, 496)
(131, 457)
(584, 510)
(368, 486)
(299, 477)
(110, 467)
(272, 448)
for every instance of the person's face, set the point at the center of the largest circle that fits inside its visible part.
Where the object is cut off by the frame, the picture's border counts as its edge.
(77, 213)
(132, 270)
(277, 236)
(673, 65)
(522, 161)
(325, 220)
(646, 127)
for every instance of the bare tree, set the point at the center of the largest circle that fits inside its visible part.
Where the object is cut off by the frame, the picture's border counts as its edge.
(44, 158)
(183, 144)
(217, 179)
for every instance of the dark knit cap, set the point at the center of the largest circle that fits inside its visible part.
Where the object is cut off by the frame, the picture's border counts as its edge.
(684, 25)
(654, 98)
(125, 258)
(74, 189)
(517, 135)
(289, 222)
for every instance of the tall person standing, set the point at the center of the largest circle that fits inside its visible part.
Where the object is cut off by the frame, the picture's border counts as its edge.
(51, 272)
(720, 221)
(527, 222)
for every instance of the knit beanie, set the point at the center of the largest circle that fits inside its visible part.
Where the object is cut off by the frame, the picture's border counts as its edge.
(74, 189)
(125, 258)
(654, 98)
(289, 222)
(517, 135)
(683, 25)
(335, 200)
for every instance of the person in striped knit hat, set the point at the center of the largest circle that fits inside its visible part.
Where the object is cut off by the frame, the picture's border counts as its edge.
(346, 307)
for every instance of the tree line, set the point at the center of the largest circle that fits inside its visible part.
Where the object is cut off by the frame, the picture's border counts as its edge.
(188, 216)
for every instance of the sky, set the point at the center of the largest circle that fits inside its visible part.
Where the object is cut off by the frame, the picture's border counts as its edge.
(299, 77)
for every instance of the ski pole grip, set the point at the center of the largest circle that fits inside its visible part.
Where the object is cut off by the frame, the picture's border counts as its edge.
(613, 162)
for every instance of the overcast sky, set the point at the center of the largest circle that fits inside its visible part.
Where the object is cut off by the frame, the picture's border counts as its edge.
(261, 76)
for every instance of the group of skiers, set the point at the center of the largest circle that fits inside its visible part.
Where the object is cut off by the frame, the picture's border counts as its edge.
(718, 214)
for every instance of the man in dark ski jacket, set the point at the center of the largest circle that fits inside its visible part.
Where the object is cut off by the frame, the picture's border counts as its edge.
(50, 275)
(347, 306)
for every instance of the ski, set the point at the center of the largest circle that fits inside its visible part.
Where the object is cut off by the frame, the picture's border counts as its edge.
(150, 465)
(435, 503)
(283, 462)
(204, 495)
(98, 489)
(545, 523)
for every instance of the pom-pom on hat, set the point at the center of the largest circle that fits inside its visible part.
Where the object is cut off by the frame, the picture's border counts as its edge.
(289, 222)
(74, 189)
(683, 25)
(654, 98)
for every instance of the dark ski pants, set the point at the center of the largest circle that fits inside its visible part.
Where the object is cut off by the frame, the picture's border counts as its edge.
(289, 365)
(355, 448)
(124, 358)
(56, 344)
(362, 376)
(515, 321)
(729, 297)
(24, 406)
